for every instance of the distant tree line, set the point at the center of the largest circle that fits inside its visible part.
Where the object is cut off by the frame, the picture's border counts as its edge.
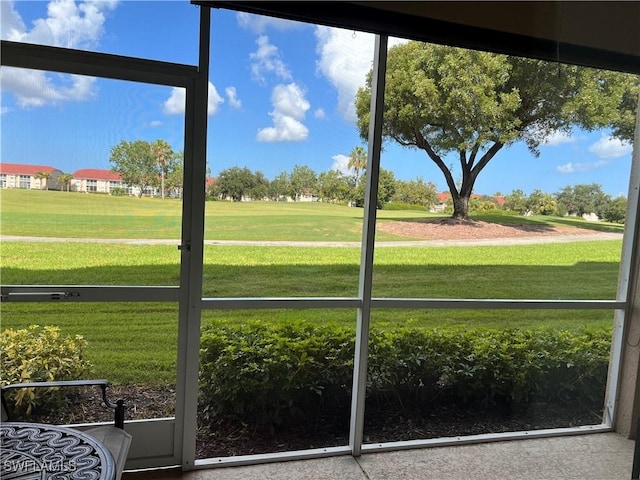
(238, 184)
(334, 186)
(577, 200)
(156, 165)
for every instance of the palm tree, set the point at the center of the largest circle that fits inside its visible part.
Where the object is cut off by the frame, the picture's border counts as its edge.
(65, 180)
(162, 152)
(357, 162)
(43, 176)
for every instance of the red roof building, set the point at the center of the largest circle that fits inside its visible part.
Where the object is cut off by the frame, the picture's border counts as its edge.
(97, 180)
(19, 175)
(23, 169)
(97, 174)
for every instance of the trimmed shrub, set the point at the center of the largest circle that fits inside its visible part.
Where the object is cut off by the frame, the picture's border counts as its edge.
(40, 354)
(274, 374)
(299, 373)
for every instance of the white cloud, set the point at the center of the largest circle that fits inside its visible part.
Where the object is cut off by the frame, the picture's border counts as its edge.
(319, 113)
(68, 24)
(341, 163)
(267, 60)
(345, 59)
(558, 138)
(609, 147)
(214, 100)
(155, 124)
(11, 25)
(175, 104)
(290, 107)
(577, 167)
(33, 88)
(232, 97)
(259, 24)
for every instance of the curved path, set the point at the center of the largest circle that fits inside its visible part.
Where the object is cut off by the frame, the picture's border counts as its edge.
(596, 236)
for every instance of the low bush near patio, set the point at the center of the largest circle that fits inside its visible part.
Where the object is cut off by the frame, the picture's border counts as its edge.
(40, 354)
(301, 373)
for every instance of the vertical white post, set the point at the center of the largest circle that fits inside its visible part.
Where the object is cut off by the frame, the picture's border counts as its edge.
(368, 237)
(622, 403)
(192, 250)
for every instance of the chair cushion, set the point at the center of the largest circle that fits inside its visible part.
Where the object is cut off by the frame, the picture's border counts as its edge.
(116, 440)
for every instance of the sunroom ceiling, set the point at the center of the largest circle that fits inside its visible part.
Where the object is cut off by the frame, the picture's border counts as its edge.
(600, 33)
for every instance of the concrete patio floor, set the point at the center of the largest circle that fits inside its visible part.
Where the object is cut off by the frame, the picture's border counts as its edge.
(600, 456)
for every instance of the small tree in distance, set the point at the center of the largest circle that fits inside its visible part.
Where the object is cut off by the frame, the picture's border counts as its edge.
(43, 176)
(235, 183)
(357, 163)
(583, 199)
(65, 180)
(145, 165)
(416, 192)
(616, 210)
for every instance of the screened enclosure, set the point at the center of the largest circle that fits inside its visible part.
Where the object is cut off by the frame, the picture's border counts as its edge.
(298, 322)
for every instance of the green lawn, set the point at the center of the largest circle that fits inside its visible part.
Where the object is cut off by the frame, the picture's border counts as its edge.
(76, 215)
(136, 343)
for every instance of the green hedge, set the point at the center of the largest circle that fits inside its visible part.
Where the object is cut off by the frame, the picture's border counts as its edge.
(290, 373)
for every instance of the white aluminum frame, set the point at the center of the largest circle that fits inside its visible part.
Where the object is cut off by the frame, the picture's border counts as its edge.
(194, 80)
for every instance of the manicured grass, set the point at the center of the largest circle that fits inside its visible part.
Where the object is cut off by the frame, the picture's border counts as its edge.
(76, 215)
(563, 270)
(136, 342)
(127, 343)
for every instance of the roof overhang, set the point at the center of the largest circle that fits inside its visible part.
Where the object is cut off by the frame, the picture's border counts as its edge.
(602, 34)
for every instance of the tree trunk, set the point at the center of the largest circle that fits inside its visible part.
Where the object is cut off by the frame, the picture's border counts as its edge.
(460, 207)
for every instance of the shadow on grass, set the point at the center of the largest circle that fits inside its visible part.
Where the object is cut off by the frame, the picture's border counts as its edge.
(582, 280)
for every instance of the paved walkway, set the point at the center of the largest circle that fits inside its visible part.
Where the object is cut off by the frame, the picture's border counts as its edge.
(598, 236)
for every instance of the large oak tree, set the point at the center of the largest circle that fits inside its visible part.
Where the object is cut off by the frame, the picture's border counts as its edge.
(471, 104)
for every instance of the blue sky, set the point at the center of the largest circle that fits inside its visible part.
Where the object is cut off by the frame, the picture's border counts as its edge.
(281, 95)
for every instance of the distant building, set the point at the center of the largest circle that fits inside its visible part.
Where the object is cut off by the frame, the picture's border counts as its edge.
(29, 177)
(94, 180)
(87, 180)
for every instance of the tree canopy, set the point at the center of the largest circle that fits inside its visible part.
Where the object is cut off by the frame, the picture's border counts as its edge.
(238, 183)
(583, 199)
(302, 181)
(445, 100)
(146, 165)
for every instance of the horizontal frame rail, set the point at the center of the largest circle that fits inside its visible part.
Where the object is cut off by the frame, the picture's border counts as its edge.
(93, 64)
(86, 293)
(257, 459)
(101, 293)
